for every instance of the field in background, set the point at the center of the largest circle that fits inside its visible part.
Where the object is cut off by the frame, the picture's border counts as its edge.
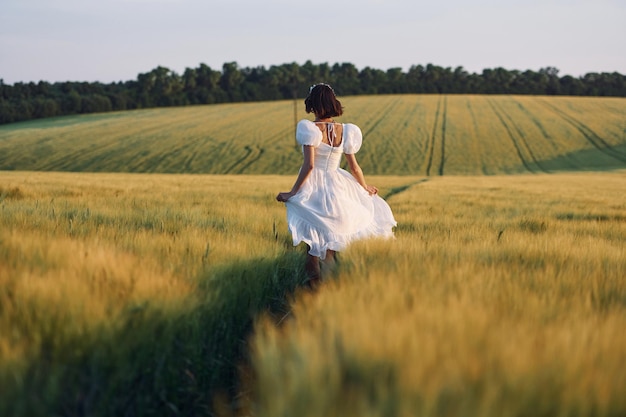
(405, 135)
(134, 294)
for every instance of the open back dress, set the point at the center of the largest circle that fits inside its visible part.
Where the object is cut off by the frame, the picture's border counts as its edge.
(331, 209)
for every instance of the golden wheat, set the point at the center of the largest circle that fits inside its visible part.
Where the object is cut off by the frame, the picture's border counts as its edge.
(405, 135)
(501, 296)
(113, 286)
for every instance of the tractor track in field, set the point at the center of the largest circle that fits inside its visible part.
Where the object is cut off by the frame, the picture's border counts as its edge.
(520, 134)
(118, 144)
(90, 149)
(592, 137)
(472, 113)
(68, 161)
(250, 161)
(366, 131)
(444, 119)
(572, 163)
(431, 148)
(402, 188)
(510, 126)
(400, 147)
(248, 152)
(252, 154)
(394, 147)
(187, 162)
(382, 116)
(193, 153)
(158, 160)
(193, 150)
(532, 118)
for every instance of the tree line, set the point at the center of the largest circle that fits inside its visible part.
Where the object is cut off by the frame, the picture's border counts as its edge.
(162, 87)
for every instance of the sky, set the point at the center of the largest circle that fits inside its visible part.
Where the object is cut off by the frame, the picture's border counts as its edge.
(115, 40)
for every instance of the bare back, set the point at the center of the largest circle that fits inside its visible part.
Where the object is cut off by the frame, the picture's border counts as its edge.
(332, 133)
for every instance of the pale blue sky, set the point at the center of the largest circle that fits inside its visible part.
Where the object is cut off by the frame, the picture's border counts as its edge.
(114, 40)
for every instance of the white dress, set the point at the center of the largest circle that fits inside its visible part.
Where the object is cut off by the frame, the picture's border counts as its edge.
(331, 209)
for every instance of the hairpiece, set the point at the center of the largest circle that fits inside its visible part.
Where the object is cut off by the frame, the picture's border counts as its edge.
(324, 84)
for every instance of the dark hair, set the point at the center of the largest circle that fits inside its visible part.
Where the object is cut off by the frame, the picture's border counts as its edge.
(323, 102)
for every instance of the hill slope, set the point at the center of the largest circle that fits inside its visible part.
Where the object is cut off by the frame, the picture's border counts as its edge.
(404, 134)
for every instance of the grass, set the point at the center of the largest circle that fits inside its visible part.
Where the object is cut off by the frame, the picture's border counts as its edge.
(132, 294)
(501, 296)
(405, 135)
(138, 294)
(146, 293)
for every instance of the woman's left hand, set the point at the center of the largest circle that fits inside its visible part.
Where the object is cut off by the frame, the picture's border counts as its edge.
(283, 197)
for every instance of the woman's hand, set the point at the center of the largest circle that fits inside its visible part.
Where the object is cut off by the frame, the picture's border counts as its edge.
(371, 189)
(283, 197)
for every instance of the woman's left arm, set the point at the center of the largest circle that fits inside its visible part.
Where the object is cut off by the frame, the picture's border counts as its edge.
(305, 170)
(357, 173)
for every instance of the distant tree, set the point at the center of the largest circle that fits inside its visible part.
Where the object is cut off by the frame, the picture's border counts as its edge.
(460, 81)
(44, 107)
(432, 78)
(71, 102)
(551, 80)
(208, 89)
(415, 79)
(571, 86)
(7, 112)
(231, 81)
(497, 81)
(345, 78)
(604, 84)
(293, 81)
(396, 81)
(372, 81)
(614, 84)
(24, 110)
(203, 85)
(190, 85)
(313, 74)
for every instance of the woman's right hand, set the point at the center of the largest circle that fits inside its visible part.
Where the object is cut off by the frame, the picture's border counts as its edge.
(283, 197)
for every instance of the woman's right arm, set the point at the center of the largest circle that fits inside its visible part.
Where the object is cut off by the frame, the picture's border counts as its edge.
(357, 173)
(308, 154)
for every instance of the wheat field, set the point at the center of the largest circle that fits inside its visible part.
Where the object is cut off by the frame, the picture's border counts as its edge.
(155, 281)
(406, 135)
(137, 294)
(501, 296)
(130, 294)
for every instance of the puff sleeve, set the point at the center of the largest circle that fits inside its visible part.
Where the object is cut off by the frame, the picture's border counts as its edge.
(352, 138)
(307, 133)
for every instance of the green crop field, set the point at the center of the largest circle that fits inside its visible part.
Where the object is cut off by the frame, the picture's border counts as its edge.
(169, 286)
(406, 135)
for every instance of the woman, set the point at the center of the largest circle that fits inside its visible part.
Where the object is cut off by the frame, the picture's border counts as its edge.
(327, 207)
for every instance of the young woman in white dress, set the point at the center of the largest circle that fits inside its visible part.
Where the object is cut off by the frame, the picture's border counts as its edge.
(327, 207)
